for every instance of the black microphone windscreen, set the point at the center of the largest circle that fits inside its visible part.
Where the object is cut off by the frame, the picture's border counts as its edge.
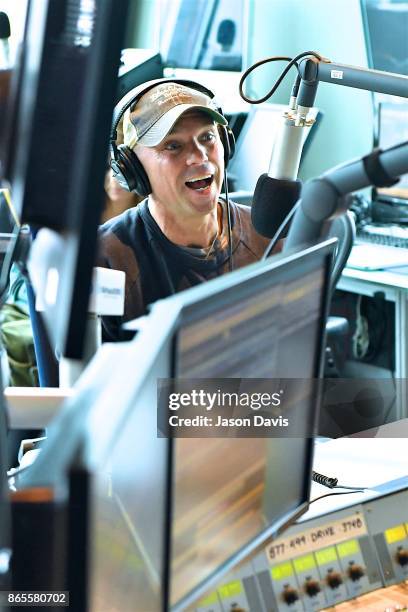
(4, 25)
(272, 202)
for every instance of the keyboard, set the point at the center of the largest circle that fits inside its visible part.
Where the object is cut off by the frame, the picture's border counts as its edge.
(368, 256)
(390, 235)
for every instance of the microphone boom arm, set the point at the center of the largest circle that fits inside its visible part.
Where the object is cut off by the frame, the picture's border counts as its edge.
(313, 70)
(324, 198)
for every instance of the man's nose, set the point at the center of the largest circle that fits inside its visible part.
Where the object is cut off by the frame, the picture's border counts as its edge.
(197, 153)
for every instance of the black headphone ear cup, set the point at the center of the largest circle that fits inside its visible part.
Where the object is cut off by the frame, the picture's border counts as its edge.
(228, 142)
(129, 171)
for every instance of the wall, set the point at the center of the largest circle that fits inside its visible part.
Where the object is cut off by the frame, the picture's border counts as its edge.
(143, 24)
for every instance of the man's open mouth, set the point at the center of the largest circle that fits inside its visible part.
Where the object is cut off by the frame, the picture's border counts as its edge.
(200, 183)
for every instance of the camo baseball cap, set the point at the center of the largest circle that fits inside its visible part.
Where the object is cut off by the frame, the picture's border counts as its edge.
(152, 117)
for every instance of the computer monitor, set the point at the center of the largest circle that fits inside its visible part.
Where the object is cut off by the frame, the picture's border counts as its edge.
(136, 67)
(230, 495)
(58, 123)
(385, 30)
(391, 130)
(170, 516)
(386, 26)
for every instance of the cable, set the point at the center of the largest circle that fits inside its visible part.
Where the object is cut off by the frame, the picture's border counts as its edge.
(229, 222)
(277, 83)
(326, 481)
(296, 85)
(332, 483)
(278, 58)
(312, 501)
(351, 488)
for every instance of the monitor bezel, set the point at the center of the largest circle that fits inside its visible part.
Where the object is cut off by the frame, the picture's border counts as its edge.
(6, 542)
(62, 187)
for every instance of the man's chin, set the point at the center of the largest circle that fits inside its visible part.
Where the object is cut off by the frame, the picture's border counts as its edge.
(203, 202)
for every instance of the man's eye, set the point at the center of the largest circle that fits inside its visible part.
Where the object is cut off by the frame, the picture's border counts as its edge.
(172, 146)
(209, 136)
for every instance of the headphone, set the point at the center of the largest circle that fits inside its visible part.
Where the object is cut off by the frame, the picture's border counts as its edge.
(125, 164)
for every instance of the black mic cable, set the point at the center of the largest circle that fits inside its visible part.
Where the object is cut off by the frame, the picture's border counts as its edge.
(291, 62)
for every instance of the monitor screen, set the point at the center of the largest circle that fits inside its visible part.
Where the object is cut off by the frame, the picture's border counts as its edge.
(226, 492)
(58, 124)
(385, 30)
(393, 129)
(386, 24)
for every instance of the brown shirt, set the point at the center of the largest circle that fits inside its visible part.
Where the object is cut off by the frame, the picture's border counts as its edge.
(156, 268)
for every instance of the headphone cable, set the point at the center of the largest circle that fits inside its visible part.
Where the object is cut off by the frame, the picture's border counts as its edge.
(229, 221)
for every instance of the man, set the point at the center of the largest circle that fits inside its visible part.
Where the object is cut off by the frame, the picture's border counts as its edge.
(178, 236)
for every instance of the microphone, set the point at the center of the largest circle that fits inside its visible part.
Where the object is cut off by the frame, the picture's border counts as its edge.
(4, 43)
(277, 192)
